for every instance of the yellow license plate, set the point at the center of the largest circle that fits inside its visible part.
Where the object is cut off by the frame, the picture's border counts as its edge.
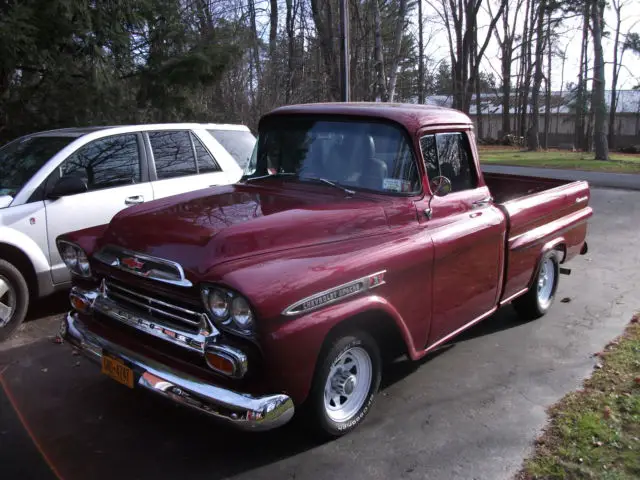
(116, 369)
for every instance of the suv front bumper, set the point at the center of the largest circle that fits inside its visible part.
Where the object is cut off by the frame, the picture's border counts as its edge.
(241, 410)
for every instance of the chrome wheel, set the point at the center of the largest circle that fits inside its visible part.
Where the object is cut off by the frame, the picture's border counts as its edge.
(7, 301)
(546, 282)
(348, 384)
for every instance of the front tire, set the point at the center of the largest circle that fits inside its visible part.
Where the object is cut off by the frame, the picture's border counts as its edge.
(14, 299)
(344, 386)
(540, 296)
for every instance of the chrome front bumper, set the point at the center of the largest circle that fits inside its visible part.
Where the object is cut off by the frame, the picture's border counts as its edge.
(241, 410)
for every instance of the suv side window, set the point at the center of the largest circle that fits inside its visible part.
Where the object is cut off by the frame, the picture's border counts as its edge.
(206, 162)
(106, 163)
(173, 154)
(448, 154)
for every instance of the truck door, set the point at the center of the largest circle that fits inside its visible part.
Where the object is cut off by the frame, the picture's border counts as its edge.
(468, 237)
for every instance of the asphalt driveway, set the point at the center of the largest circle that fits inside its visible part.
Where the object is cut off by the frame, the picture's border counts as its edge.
(470, 412)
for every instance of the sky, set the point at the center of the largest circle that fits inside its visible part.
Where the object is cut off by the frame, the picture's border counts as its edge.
(570, 38)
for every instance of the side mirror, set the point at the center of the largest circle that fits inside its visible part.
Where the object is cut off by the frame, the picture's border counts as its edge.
(440, 186)
(69, 185)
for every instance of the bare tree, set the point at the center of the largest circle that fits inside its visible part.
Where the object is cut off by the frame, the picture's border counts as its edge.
(506, 45)
(460, 20)
(533, 139)
(420, 54)
(395, 59)
(597, 98)
(381, 93)
(615, 73)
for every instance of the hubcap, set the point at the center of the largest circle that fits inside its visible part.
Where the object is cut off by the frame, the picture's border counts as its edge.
(348, 384)
(7, 301)
(546, 280)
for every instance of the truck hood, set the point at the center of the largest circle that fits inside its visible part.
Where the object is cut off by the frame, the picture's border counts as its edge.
(207, 227)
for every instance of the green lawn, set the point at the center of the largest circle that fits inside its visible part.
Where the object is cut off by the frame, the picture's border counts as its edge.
(620, 163)
(594, 433)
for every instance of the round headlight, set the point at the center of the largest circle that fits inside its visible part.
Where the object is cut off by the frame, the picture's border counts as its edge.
(70, 256)
(218, 303)
(83, 263)
(241, 314)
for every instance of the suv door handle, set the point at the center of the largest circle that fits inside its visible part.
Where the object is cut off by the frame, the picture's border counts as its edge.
(481, 203)
(135, 200)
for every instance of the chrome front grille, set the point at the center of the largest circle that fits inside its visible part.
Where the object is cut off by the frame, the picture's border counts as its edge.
(160, 310)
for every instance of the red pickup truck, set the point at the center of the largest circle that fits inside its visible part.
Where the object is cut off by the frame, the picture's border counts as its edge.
(360, 232)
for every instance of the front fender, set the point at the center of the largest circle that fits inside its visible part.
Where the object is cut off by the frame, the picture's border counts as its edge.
(24, 243)
(293, 345)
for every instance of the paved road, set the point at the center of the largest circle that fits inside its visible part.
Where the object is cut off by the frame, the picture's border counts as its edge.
(626, 181)
(470, 412)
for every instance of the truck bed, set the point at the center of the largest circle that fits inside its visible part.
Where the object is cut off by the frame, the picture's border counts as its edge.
(505, 188)
(540, 212)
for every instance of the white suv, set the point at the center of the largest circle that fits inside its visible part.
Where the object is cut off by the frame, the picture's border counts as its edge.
(63, 180)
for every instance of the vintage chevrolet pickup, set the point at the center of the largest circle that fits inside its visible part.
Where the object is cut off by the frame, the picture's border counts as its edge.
(359, 233)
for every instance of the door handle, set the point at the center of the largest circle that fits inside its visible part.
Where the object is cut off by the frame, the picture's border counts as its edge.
(135, 200)
(482, 203)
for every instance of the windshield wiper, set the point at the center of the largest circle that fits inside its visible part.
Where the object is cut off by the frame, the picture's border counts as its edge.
(272, 175)
(330, 183)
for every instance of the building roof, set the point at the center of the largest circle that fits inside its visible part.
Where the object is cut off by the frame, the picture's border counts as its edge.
(628, 102)
(410, 115)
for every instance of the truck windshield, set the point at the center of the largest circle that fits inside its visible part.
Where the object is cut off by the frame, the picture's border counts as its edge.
(368, 155)
(22, 158)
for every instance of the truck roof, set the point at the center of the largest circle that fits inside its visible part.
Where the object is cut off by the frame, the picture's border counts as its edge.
(411, 116)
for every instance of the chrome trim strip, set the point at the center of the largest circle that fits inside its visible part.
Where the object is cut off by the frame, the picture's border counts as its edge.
(335, 294)
(111, 285)
(238, 409)
(146, 306)
(101, 256)
(192, 341)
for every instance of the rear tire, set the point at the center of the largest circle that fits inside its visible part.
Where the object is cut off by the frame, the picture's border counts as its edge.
(14, 299)
(344, 385)
(540, 296)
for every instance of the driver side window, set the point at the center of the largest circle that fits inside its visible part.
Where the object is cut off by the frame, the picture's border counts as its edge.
(449, 155)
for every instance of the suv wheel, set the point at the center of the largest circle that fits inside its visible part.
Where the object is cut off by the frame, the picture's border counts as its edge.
(14, 299)
(345, 384)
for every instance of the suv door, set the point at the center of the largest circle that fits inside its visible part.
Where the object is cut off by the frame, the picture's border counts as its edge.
(468, 237)
(113, 170)
(181, 163)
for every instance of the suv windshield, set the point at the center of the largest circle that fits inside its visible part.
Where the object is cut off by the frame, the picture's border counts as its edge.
(369, 155)
(22, 158)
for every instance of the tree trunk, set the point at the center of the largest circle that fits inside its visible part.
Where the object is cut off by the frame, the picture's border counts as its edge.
(615, 70)
(290, 46)
(564, 60)
(273, 29)
(547, 103)
(580, 110)
(533, 140)
(381, 94)
(323, 19)
(395, 60)
(420, 55)
(599, 107)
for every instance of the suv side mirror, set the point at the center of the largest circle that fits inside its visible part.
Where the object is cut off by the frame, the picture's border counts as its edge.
(69, 185)
(440, 186)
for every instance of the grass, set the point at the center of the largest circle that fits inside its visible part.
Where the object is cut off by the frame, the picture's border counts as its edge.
(594, 433)
(618, 163)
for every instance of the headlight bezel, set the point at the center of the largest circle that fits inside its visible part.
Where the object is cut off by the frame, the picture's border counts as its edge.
(80, 266)
(228, 321)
